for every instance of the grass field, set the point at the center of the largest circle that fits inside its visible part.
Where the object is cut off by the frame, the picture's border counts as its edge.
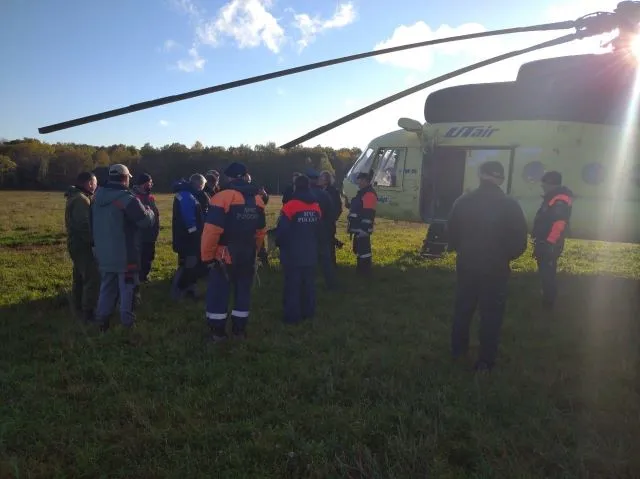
(365, 390)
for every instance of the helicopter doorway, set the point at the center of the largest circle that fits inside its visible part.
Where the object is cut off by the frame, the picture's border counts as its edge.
(450, 172)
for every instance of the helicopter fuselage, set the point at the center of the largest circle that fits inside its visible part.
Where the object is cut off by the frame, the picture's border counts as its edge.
(418, 175)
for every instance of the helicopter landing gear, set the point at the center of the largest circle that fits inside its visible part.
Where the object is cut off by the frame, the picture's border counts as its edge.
(435, 244)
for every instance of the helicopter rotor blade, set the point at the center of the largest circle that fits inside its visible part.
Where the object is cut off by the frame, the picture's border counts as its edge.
(291, 71)
(427, 84)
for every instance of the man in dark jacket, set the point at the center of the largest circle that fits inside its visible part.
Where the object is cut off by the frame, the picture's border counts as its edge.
(149, 236)
(326, 233)
(77, 216)
(288, 191)
(488, 230)
(213, 182)
(549, 230)
(297, 233)
(327, 183)
(361, 221)
(117, 220)
(187, 222)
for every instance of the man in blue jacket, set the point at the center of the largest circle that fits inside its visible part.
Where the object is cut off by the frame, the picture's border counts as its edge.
(117, 220)
(297, 234)
(186, 227)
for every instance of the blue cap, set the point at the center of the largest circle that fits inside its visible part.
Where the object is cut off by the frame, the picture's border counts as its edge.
(311, 173)
(235, 170)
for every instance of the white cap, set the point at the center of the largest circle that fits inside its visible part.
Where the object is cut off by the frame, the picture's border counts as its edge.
(119, 169)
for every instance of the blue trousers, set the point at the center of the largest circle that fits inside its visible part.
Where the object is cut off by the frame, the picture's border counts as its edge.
(299, 294)
(219, 287)
(112, 286)
(547, 271)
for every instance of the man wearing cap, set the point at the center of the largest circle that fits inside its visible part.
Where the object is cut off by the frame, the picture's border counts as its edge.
(488, 230)
(233, 234)
(549, 231)
(360, 222)
(326, 228)
(142, 190)
(187, 221)
(117, 219)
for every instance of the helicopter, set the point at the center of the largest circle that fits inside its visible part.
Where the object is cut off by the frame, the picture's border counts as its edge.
(574, 114)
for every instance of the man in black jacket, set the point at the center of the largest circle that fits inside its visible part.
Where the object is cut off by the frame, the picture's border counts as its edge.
(327, 182)
(488, 230)
(288, 191)
(326, 222)
(549, 231)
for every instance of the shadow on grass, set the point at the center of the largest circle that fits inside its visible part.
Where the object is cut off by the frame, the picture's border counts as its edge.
(365, 389)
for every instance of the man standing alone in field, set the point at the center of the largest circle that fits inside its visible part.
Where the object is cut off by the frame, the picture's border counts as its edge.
(488, 230)
(77, 218)
(118, 217)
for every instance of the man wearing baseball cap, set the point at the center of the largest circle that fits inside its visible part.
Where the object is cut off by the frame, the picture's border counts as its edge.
(488, 230)
(117, 219)
(142, 190)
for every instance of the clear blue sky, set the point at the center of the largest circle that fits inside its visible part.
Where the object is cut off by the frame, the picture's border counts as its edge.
(64, 59)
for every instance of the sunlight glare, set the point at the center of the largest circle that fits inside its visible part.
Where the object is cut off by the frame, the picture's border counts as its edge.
(635, 47)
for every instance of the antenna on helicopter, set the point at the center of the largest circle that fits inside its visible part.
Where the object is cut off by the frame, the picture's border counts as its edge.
(594, 24)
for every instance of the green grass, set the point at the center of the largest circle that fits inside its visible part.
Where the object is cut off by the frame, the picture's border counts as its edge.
(365, 390)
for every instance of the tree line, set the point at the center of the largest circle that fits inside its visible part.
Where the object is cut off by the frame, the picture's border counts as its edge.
(29, 164)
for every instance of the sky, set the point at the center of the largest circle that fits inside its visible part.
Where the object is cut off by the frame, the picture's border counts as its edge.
(65, 59)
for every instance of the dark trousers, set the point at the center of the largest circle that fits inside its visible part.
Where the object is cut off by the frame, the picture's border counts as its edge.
(147, 255)
(299, 294)
(86, 281)
(326, 263)
(489, 294)
(362, 250)
(190, 270)
(547, 270)
(219, 286)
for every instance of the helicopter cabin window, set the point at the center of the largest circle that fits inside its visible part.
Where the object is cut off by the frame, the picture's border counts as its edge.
(362, 164)
(533, 172)
(593, 174)
(388, 168)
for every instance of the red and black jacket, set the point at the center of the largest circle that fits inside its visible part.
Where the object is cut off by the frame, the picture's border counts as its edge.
(551, 222)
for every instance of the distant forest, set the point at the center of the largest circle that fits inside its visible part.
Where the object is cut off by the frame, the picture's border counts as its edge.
(30, 164)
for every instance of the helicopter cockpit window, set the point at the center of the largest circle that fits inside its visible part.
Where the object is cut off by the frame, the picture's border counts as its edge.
(593, 174)
(387, 165)
(533, 172)
(362, 164)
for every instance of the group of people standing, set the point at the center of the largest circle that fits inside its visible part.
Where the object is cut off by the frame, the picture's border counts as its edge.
(218, 232)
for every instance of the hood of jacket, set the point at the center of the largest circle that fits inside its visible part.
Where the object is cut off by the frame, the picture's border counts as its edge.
(560, 190)
(76, 190)
(304, 196)
(183, 185)
(107, 194)
(247, 189)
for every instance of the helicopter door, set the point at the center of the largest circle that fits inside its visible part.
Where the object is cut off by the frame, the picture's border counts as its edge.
(477, 156)
(445, 181)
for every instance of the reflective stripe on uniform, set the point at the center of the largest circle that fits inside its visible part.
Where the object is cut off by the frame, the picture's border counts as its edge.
(240, 314)
(216, 315)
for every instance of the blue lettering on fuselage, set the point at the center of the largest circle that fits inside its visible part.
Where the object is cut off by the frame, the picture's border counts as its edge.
(383, 199)
(473, 131)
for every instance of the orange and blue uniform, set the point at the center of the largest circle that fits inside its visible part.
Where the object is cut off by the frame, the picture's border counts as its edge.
(549, 231)
(298, 236)
(362, 213)
(233, 234)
